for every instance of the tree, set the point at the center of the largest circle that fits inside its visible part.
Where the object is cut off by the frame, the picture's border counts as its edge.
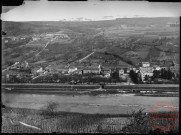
(50, 108)
(162, 73)
(137, 123)
(156, 74)
(134, 76)
(166, 74)
(55, 77)
(169, 75)
(146, 77)
(115, 76)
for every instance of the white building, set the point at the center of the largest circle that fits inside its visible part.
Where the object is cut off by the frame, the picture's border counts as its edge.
(36, 38)
(121, 72)
(146, 71)
(156, 67)
(71, 70)
(40, 70)
(6, 41)
(145, 64)
(107, 75)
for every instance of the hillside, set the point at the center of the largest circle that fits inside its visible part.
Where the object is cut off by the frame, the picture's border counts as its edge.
(130, 40)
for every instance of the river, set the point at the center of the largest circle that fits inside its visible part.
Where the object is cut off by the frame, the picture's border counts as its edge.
(110, 103)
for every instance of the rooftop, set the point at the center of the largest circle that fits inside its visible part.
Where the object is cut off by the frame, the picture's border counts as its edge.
(146, 69)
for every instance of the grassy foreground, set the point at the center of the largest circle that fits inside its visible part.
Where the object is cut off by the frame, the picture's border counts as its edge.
(50, 121)
(61, 122)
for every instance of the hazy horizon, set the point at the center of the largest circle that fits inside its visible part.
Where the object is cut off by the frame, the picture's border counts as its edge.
(90, 11)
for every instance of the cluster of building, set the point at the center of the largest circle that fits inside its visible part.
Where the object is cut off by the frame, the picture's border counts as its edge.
(99, 70)
(50, 36)
(19, 70)
(147, 70)
(35, 37)
(8, 39)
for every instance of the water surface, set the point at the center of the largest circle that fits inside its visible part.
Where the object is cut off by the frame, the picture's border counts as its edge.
(112, 103)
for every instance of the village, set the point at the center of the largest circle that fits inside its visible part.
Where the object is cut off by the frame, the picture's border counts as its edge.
(96, 67)
(144, 73)
(35, 37)
(102, 67)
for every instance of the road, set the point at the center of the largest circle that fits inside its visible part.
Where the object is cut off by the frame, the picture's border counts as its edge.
(86, 56)
(55, 88)
(64, 84)
(43, 48)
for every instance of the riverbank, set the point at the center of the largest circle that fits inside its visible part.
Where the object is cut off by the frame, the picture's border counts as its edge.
(63, 122)
(111, 84)
(154, 90)
(93, 92)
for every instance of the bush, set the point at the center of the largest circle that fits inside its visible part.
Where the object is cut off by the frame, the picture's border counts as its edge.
(137, 123)
(50, 108)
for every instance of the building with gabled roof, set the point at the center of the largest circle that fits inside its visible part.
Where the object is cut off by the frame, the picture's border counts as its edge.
(145, 70)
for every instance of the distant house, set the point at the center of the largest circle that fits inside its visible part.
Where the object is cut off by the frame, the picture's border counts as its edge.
(62, 35)
(136, 70)
(37, 70)
(107, 72)
(71, 70)
(156, 67)
(6, 41)
(146, 71)
(107, 75)
(49, 35)
(78, 72)
(175, 69)
(36, 38)
(91, 70)
(145, 64)
(127, 70)
(40, 70)
(121, 72)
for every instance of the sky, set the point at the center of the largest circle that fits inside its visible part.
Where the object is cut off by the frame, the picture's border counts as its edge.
(90, 10)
